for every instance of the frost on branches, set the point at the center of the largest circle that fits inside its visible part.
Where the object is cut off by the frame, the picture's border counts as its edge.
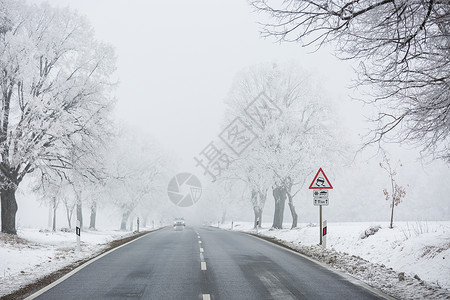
(54, 89)
(290, 146)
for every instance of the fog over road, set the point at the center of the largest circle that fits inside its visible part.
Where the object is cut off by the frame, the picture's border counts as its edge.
(205, 263)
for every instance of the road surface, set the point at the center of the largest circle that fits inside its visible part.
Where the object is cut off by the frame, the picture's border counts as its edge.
(205, 263)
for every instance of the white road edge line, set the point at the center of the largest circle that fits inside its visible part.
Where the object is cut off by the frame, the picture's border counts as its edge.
(203, 266)
(206, 297)
(55, 283)
(350, 278)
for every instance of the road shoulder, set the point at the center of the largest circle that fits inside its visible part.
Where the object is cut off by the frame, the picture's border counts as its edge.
(58, 276)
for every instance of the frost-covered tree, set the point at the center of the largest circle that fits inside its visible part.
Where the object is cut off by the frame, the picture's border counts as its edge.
(54, 89)
(301, 139)
(403, 50)
(137, 172)
(52, 195)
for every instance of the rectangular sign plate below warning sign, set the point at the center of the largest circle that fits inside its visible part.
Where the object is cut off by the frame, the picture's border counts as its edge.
(318, 202)
(320, 194)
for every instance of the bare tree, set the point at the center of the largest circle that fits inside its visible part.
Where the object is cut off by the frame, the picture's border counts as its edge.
(404, 52)
(397, 192)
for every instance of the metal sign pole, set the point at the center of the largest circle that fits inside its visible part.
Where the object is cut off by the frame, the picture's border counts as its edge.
(320, 222)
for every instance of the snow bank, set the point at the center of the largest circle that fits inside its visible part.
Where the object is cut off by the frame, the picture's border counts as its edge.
(33, 254)
(420, 250)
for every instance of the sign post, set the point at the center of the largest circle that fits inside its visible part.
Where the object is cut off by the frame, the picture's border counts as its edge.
(78, 233)
(320, 185)
(320, 227)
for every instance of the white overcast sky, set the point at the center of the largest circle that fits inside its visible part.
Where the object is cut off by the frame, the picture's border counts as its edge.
(177, 60)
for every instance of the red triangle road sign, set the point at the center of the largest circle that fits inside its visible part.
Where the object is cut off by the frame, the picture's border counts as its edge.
(320, 181)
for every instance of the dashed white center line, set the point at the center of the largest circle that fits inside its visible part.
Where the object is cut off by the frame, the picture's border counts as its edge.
(201, 241)
(206, 297)
(203, 266)
(201, 250)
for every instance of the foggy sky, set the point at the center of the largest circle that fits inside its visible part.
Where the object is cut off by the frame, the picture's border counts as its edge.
(177, 61)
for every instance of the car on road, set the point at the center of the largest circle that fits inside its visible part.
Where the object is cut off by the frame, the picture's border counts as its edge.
(178, 224)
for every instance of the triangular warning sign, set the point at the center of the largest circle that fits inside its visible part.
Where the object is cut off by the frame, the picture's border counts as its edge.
(320, 181)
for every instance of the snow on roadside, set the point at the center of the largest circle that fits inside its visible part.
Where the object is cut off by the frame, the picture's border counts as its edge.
(33, 254)
(378, 255)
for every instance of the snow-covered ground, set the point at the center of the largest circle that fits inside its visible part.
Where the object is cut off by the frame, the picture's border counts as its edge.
(34, 254)
(420, 249)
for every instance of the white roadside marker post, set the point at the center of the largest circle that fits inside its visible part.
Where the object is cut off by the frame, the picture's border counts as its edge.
(324, 234)
(138, 224)
(78, 233)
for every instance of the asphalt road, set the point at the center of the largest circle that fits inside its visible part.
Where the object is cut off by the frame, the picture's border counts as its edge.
(205, 263)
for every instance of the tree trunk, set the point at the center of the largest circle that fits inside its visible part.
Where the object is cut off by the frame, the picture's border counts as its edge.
(55, 206)
(9, 209)
(258, 216)
(279, 194)
(393, 203)
(93, 215)
(80, 214)
(293, 212)
(49, 222)
(123, 223)
(131, 224)
(69, 212)
(224, 215)
(256, 209)
(291, 203)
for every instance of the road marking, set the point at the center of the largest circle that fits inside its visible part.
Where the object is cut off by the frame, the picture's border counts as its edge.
(201, 250)
(199, 242)
(206, 297)
(203, 266)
